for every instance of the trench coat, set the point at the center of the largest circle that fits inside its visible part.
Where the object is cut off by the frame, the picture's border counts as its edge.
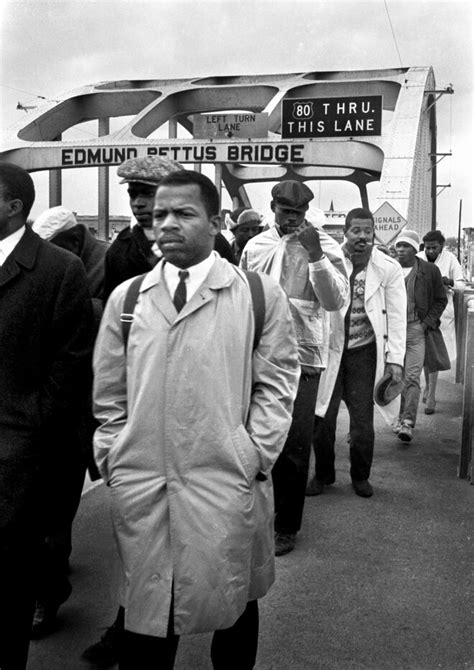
(386, 307)
(191, 423)
(449, 266)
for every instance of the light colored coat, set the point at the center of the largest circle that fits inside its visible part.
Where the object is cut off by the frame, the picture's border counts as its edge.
(386, 307)
(312, 289)
(449, 267)
(188, 420)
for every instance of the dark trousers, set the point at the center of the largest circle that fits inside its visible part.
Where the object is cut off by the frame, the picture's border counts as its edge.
(53, 567)
(17, 600)
(233, 648)
(354, 385)
(290, 471)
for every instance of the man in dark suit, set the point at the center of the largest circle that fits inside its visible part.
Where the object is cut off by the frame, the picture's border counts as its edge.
(46, 336)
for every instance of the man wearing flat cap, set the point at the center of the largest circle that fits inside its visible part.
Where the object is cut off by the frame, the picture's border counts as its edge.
(309, 266)
(134, 250)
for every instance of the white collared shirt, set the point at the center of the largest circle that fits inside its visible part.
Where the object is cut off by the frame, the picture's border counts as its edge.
(9, 243)
(197, 274)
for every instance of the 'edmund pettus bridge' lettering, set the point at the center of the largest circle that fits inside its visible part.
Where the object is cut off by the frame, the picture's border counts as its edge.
(209, 153)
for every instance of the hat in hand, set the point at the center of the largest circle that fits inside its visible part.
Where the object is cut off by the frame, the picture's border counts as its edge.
(292, 194)
(387, 390)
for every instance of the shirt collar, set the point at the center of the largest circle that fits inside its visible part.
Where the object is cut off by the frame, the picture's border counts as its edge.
(9, 243)
(197, 273)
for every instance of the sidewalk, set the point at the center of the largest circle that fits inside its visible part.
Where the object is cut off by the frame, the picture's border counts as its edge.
(374, 584)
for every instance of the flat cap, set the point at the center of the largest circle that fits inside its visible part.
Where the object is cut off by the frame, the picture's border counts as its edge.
(293, 194)
(147, 169)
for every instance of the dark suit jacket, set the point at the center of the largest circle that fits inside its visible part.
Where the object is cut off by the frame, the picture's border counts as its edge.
(46, 340)
(430, 294)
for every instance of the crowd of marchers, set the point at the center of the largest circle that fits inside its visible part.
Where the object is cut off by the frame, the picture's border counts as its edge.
(194, 369)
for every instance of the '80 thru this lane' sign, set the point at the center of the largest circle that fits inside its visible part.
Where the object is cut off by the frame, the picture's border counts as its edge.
(332, 117)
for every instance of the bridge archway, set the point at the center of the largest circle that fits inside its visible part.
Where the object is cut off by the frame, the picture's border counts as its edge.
(402, 158)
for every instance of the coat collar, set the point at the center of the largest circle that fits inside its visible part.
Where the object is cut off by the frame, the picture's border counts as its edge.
(23, 256)
(221, 275)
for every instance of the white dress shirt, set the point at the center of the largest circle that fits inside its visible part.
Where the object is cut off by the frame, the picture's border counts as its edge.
(197, 274)
(9, 243)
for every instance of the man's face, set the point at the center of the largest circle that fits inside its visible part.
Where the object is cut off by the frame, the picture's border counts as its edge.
(359, 235)
(433, 250)
(5, 212)
(245, 232)
(142, 199)
(406, 254)
(287, 219)
(183, 229)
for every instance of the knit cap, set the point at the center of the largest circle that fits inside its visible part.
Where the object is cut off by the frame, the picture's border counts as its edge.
(409, 237)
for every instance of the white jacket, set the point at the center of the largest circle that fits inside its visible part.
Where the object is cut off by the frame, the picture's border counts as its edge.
(386, 307)
(313, 289)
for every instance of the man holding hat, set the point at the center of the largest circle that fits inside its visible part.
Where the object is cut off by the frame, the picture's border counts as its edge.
(309, 266)
(134, 250)
(426, 300)
(367, 341)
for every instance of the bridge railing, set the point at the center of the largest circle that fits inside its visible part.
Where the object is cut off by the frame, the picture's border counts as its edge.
(464, 311)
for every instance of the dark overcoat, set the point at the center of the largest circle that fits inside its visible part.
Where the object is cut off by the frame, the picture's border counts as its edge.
(430, 294)
(46, 340)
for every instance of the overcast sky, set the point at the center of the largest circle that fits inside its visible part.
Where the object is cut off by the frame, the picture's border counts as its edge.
(49, 48)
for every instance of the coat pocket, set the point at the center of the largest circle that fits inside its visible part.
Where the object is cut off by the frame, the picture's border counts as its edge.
(247, 452)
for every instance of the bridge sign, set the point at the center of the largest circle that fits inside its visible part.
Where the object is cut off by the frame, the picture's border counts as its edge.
(388, 223)
(331, 117)
(226, 126)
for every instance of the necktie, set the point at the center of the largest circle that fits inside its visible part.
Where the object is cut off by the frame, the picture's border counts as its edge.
(179, 297)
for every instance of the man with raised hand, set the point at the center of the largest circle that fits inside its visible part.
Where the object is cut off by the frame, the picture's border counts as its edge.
(309, 266)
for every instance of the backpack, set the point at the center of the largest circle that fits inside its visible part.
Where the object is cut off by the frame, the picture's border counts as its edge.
(256, 291)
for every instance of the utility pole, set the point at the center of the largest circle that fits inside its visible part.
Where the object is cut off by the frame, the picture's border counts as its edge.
(459, 230)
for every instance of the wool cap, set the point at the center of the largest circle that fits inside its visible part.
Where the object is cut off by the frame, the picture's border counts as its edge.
(242, 215)
(293, 194)
(147, 169)
(409, 237)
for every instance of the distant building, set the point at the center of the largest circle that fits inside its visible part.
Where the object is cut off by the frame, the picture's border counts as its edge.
(335, 223)
(116, 223)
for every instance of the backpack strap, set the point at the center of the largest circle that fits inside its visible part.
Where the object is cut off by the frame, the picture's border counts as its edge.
(131, 297)
(258, 304)
(256, 291)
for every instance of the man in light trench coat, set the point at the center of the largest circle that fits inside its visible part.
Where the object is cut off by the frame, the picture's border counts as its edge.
(192, 421)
